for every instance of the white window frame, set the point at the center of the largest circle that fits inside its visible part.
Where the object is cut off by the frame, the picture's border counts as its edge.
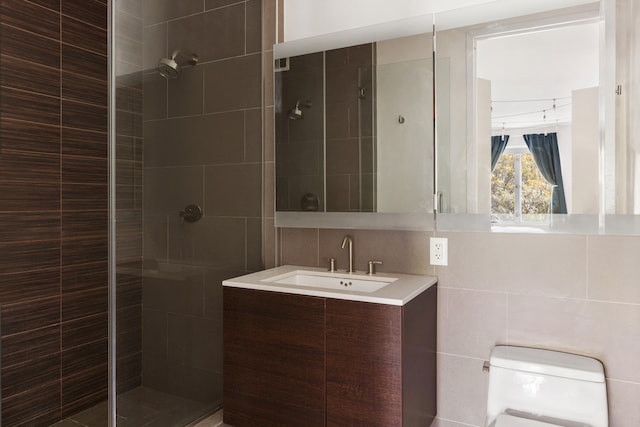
(517, 153)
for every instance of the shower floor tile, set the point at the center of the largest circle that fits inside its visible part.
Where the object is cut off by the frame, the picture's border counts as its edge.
(144, 407)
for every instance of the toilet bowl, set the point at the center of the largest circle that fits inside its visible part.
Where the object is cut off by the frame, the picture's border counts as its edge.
(531, 387)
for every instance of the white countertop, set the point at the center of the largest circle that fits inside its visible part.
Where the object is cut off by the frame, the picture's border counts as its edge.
(399, 292)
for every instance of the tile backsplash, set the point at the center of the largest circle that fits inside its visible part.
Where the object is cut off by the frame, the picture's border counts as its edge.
(573, 293)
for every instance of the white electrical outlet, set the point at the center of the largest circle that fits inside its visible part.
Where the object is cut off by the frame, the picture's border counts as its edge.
(438, 251)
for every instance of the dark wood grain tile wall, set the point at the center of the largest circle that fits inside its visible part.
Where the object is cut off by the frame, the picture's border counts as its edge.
(53, 208)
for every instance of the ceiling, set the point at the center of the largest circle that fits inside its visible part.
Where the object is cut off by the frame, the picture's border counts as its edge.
(309, 18)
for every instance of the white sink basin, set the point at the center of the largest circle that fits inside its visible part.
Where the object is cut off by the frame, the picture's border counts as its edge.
(381, 288)
(316, 279)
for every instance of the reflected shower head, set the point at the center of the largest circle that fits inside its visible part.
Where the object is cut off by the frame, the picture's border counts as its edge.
(296, 113)
(169, 67)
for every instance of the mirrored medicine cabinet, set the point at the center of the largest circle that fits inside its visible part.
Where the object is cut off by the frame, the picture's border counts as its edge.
(357, 145)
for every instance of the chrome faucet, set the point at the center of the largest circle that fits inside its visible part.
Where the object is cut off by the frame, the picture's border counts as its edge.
(348, 239)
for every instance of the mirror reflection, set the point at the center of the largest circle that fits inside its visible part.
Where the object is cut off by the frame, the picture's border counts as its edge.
(544, 121)
(594, 180)
(354, 128)
(527, 92)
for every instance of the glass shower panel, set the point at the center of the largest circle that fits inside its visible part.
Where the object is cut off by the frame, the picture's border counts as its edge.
(188, 180)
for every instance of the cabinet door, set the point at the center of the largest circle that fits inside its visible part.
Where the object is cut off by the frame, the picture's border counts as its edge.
(273, 359)
(364, 356)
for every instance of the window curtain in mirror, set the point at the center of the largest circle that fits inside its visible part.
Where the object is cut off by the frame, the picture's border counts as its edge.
(544, 149)
(498, 144)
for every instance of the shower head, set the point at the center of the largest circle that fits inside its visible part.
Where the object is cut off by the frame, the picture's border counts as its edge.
(169, 67)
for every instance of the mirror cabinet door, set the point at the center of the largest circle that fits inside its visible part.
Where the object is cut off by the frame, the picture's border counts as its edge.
(518, 124)
(354, 129)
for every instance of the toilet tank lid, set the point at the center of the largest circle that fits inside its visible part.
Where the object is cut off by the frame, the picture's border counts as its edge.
(547, 362)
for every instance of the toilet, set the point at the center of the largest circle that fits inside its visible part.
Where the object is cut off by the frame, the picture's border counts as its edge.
(530, 387)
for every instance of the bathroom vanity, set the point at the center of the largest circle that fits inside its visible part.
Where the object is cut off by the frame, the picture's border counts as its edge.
(307, 347)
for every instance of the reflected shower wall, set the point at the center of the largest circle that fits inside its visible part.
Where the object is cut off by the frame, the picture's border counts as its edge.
(325, 129)
(300, 162)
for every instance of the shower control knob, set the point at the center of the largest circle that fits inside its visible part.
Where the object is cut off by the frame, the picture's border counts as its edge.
(191, 213)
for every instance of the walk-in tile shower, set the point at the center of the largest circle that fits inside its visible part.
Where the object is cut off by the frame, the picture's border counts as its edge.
(188, 101)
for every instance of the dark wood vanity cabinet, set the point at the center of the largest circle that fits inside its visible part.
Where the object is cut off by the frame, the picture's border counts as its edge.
(293, 360)
(274, 364)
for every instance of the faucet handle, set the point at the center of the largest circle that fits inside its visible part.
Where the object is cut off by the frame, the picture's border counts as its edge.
(372, 267)
(332, 264)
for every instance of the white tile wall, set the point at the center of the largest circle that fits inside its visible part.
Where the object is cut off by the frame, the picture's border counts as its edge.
(465, 330)
(609, 332)
(613, 270)
(462, 389)
(574, 293)
(518, 263)
(623, 403)
(579, 294)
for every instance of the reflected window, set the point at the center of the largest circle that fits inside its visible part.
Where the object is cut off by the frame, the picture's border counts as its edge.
(519, 192)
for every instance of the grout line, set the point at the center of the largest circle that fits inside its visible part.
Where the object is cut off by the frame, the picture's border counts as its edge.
(61, 201)
(623, 381)
(190, 116)
(244, 135)
(506, 320)
(246, 244)
(204, 11)
(461, 356)
(456, 422)
(279, 246)
(317, 247)
(586, 274)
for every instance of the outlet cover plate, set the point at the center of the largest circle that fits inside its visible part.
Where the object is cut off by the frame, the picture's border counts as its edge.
(438, 251)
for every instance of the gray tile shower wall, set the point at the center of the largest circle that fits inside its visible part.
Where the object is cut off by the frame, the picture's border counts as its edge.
(572, 293)
(203, 146)
(53, 208)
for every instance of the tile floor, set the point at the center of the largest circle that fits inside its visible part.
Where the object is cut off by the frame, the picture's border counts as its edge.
(146, 407)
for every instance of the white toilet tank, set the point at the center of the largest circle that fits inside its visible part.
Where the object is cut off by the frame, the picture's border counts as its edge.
(545, 386)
